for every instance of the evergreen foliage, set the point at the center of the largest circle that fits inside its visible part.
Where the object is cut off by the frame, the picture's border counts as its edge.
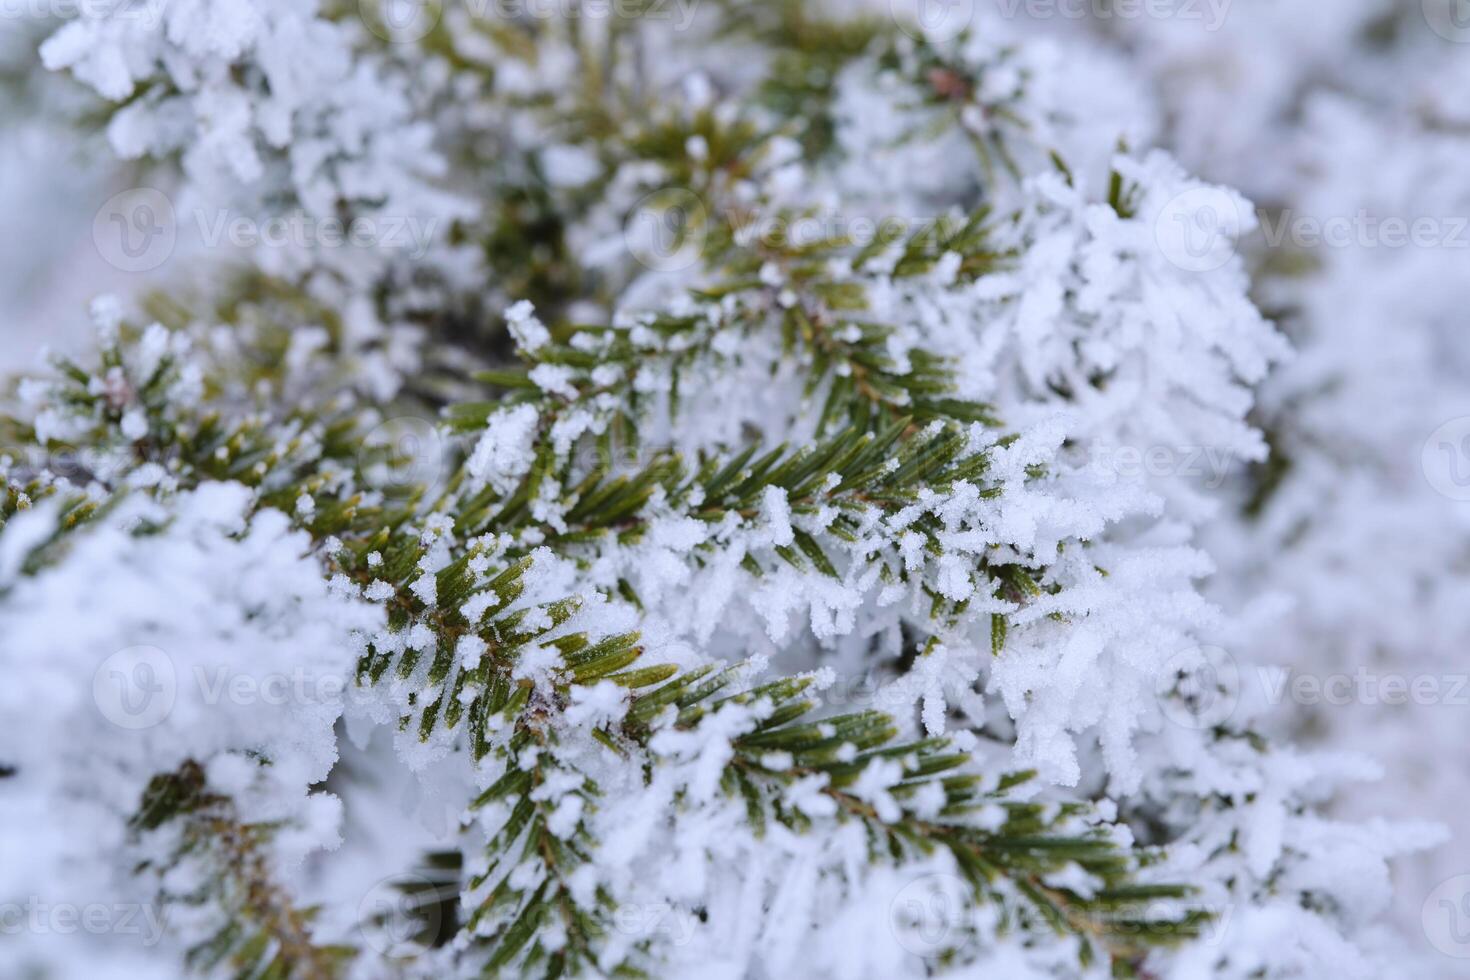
(711, 543)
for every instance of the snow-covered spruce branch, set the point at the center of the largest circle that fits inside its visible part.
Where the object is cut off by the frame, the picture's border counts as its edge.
(801, 776)
(885, 469)
(474, 655)
(772, 304)
(209, 862)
